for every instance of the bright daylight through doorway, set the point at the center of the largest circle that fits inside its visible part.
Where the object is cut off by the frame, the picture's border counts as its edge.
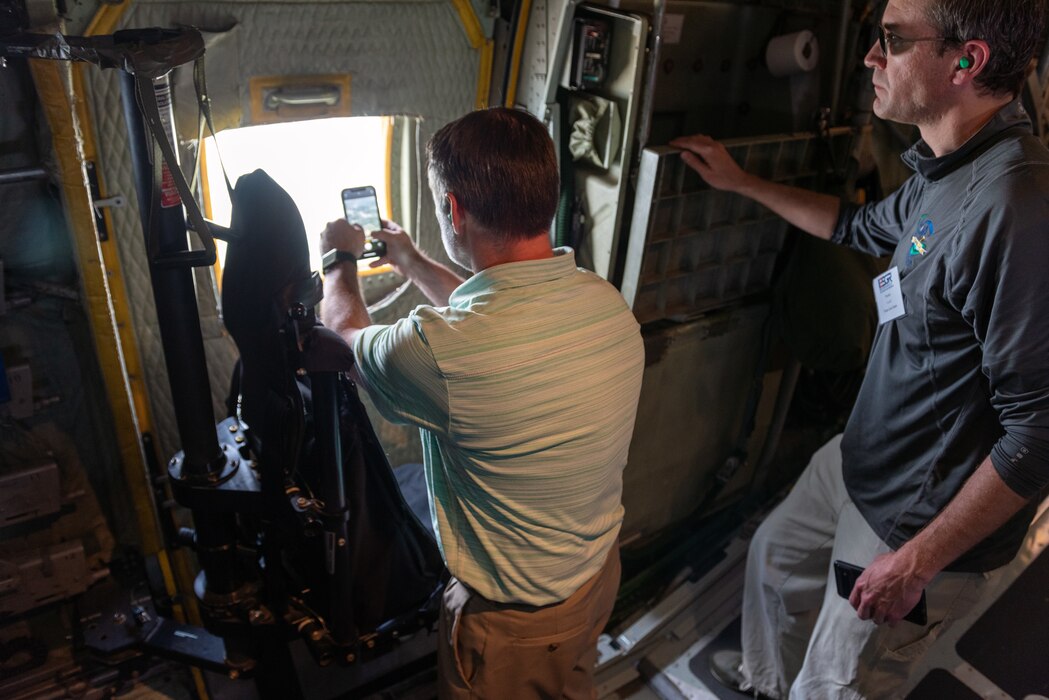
(313, 160)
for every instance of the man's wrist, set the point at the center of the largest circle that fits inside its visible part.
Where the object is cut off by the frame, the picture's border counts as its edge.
(415, 261)
(334, 258)
(747, 185)
(919, 564)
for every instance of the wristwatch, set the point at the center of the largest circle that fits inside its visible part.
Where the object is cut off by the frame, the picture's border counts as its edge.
(334, 256)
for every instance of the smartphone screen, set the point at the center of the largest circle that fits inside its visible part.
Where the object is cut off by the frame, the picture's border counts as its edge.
(845, 576)
(361, 207)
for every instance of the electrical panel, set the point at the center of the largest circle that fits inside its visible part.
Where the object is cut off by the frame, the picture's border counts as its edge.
(590, 49)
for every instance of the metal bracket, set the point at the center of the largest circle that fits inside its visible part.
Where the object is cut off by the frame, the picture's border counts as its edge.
(117, 201)
(97, 201)
(117, 622)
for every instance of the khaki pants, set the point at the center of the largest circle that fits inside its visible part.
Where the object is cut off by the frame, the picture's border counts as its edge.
(799, 637)
(498, 651)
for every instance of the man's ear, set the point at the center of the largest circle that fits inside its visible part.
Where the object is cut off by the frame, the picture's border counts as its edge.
(971, 61)
(454, 211)
(446, 208)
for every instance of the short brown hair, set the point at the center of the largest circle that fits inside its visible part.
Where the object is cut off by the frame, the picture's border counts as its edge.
(501, 166)
(1012, 28)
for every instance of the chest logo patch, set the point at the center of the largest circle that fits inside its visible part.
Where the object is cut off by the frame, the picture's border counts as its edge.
(921, 240)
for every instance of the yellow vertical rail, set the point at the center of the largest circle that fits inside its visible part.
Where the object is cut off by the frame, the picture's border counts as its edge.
(54, 85)
(484, 46)
(484, 80)
(107, 18)
(387, 130)
(515, 54)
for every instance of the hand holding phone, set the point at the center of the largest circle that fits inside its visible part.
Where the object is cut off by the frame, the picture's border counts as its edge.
(846, 575)
(360, 207)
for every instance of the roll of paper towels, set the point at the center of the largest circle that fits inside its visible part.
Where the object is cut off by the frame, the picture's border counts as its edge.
(792, 53)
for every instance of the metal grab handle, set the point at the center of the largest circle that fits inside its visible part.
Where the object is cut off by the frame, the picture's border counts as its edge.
(327, 95)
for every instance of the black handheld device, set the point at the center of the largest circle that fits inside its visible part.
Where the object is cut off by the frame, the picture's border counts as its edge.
(360, 206)
(845, 576)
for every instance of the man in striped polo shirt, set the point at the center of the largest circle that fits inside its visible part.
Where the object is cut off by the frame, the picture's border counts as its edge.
(524, 381)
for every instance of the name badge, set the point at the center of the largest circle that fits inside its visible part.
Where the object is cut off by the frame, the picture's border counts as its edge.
(888, 295)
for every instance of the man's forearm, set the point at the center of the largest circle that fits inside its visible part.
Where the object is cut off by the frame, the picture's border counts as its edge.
(892, 584)
(435, 280)
(813, 212)
(983, 505)
(343, 309)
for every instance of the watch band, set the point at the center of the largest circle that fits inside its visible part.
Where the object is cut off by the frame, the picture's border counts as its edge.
(334, 256)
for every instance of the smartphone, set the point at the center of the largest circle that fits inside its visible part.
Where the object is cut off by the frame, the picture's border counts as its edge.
(360, 206)
(845, 576)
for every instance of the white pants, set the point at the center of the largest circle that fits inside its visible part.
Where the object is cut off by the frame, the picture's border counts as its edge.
(799, 637)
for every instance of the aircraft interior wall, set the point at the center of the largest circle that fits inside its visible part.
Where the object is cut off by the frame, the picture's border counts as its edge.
(674, 69)
(435, 80)
(688, 258)
(745, 374)
(66, 513)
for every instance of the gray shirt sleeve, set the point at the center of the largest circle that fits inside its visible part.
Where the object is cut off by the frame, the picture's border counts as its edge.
(876, 228)
(999, 286)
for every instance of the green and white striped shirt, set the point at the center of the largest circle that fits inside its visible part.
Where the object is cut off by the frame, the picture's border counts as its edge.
(525, 389)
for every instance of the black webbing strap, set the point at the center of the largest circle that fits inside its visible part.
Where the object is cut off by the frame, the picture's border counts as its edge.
(162, 147)
(200, 86)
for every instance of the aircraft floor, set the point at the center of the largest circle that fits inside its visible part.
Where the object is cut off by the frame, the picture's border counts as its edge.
(670, 662)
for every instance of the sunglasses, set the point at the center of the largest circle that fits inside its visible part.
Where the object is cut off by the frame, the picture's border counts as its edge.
(892, 43)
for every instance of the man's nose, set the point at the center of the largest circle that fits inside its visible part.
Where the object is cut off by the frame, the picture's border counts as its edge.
(874, 58)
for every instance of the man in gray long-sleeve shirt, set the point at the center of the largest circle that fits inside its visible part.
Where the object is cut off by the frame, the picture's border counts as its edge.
(932, 485)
